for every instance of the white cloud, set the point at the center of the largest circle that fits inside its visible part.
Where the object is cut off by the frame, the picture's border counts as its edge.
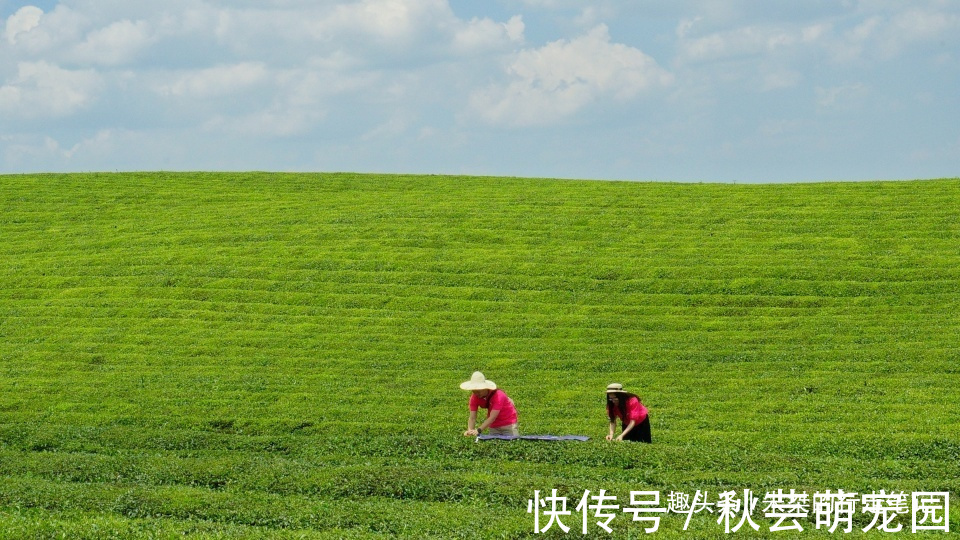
(392, 19)
(114, 44)
(390, 24)
(560, 78)
(775, 55)
(297, 104)
(215, 81)
(285, 34)
(102, 149)
(886, 34)
(41, 89)
(394, 127)
(742, 42)
(594, 14)
(370, 32)
(685, 25)
(924, 25)
(874, 32)
(24, 20)
(48, 35)
(485, 34)
(308, 88)
(514, 28)
(904, 29)
(849, 47)
(16, 152)
(100, 143)
(274, 121)
(552, 4)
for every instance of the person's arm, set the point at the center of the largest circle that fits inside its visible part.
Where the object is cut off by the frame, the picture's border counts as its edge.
(626, 430)
(490, 419)
(613, 426)
(471, 424)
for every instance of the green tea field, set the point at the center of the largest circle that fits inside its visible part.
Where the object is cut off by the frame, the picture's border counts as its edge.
(265, 355)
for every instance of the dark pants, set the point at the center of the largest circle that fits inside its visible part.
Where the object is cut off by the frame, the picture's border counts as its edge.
(640, 432)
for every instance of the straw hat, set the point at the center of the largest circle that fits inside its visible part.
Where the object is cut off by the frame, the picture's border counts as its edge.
(478, 382)
(614, 387)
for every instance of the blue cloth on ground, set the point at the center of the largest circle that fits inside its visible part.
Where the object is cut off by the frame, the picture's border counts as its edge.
(534, 437)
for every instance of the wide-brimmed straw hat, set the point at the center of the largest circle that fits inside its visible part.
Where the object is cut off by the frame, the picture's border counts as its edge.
(614, 387)
(478, 382)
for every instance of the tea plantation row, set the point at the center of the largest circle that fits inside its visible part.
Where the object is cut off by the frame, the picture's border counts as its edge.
(278, 355)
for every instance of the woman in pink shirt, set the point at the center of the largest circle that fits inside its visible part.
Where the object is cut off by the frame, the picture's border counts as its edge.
(501, 415)
(631, 412)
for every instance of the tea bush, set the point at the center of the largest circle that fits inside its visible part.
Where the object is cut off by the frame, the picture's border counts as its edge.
(228, 355)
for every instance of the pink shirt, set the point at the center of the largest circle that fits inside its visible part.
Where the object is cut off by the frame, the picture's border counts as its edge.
(496, 401)
(635, 411)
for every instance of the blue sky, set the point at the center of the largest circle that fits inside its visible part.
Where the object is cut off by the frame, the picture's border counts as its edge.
(684, 90)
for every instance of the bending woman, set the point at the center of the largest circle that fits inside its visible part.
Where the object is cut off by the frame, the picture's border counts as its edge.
(501, 415)
(631, 412)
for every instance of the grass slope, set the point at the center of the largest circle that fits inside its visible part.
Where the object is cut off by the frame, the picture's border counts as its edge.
(260, 355)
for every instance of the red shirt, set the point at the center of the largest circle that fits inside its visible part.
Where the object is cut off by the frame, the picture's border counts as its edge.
(497, 400)
(635, 411)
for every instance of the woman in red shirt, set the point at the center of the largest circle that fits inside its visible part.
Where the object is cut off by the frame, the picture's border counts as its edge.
(501, 415)
(631, 412)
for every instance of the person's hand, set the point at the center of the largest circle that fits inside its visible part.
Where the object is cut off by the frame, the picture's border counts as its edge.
(471, 433)
(609, 437)
(619, 439)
